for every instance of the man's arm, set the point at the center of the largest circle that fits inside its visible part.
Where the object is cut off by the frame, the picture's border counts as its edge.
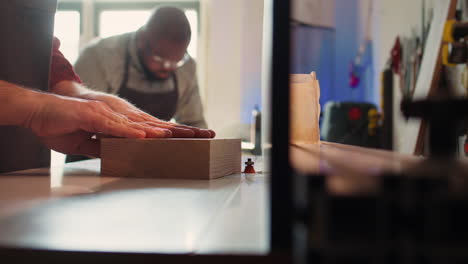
(13, 111)
(121, 106)
(62, 123)
(189, 108)
(90, 70)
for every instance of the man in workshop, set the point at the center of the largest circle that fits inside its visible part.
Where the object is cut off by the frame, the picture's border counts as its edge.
(150, 68)
(31, 121)
(67, 124)
(64, 81)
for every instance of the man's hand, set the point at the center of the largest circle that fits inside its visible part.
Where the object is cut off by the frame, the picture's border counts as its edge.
(134, 114)
(131, 112)
(67, 124)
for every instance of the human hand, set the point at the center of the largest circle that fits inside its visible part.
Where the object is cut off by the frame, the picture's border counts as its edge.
(134, 114)
(121, 106)
(68, 124)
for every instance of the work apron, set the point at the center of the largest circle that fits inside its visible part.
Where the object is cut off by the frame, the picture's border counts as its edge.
(26, 30)
(160, 105)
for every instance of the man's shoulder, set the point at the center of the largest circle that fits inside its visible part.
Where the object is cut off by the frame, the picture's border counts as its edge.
(189, 68)
(109, 44)
(187, 74)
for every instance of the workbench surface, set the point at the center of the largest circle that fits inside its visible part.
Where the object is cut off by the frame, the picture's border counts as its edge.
(73, 208)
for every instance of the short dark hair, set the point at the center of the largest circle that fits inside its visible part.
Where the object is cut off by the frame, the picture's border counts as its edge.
(169, 23)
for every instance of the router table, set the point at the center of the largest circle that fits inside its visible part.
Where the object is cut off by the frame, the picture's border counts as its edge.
(73, 208)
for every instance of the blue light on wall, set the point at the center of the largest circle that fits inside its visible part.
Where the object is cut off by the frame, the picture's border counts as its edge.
(330, 51)
(313, 49)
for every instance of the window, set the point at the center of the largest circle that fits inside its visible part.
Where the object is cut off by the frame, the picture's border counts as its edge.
(192, 16)
(114, 22)
(112, 18)
(67, 29)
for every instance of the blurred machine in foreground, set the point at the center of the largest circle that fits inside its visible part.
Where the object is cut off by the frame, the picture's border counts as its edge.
(358, 205)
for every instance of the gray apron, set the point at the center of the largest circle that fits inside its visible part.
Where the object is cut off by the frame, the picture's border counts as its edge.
(160, 105)
(26, 28)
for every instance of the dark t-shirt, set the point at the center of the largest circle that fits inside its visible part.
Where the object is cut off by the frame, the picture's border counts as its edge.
(26, 30)
(60, 67)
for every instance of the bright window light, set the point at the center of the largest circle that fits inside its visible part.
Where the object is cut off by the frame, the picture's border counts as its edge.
(192, 17)
(115, 22)
(67, 30)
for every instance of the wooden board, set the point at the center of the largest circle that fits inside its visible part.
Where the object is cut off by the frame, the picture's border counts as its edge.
(350, 170)
(304, 108)
(202, 159)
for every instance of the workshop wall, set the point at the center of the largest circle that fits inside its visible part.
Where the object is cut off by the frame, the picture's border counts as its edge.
(251, 55)
(348, 39)
(394, 18)
(230, 63)
(330, 49)
(313, 38)
(220, 64)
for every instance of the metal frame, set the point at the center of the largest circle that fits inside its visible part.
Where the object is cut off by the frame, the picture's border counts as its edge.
(281, 179)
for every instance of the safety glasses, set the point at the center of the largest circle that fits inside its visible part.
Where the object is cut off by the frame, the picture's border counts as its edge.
(168, 64)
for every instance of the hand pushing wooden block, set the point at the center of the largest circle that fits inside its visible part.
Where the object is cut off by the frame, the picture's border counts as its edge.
(172, 158)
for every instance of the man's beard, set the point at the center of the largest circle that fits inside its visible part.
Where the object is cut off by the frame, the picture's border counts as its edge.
(150, 76)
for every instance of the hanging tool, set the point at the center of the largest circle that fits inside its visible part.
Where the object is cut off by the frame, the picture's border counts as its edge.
(455, 46)
(455, 51)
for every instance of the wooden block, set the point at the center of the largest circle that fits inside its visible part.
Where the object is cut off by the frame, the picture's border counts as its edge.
(304, 108)
(173, 158)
